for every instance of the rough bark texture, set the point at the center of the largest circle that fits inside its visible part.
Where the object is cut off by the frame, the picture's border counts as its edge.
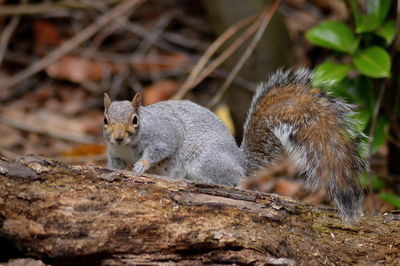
(90, 215)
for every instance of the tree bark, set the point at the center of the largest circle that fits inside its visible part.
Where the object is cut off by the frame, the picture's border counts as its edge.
(66, 214)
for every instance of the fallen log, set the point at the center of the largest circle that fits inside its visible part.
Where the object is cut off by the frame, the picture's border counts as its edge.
(64, 214)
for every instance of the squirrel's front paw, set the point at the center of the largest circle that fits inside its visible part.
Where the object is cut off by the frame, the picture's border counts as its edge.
(141, 166)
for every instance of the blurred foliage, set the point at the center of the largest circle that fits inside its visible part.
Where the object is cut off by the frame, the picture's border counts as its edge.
(391, 198)
(359, 67)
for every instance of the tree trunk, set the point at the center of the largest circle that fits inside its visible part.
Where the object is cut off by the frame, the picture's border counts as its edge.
(65, 214)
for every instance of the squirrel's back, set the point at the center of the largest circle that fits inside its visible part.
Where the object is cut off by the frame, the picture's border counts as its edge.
(204, 141)
(198, 124)
(316, 130)
(199, 121)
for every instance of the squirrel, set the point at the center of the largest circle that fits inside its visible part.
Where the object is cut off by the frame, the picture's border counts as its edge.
(181, 139)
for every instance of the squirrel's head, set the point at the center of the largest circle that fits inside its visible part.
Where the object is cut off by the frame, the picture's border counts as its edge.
(121, 120)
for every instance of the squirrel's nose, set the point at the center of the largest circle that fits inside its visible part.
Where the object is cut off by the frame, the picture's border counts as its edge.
(119, 139)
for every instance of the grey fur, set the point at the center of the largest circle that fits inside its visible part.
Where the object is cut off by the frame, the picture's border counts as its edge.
(181, 139)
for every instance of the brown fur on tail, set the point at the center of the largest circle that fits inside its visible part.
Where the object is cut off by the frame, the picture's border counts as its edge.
(315, 130)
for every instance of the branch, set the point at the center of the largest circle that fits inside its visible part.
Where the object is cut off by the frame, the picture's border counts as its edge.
(40, 129)
(6, 35)
(59, 213)
(33, 9)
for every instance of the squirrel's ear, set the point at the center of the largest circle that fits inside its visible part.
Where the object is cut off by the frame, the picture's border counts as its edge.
(137, 101)
(107, 102)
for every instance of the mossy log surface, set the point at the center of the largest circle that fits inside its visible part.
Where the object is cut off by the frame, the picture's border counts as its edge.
(66, 214)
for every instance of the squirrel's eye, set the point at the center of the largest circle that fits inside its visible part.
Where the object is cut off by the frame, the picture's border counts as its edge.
(134, 120)
(105, 121)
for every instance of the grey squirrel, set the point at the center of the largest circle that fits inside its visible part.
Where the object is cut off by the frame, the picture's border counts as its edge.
(181, 139)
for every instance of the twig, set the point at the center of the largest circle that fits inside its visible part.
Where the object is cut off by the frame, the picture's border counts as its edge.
(184, 41)
(265, 19)
(31, 9)
(145, 34)
(192, 22)
(188, 84)
(6, 35)
(100, 37)
(239, 81)
(227, 53)
(69, 45)
(17, 57)
(21, 125)
(101, 6)
(121, 21)
(160, 26)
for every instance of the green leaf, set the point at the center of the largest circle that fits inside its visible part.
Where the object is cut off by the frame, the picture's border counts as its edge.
(390, 198)
(363, 89)
(377, 11)
(343, 89)
(378, 8)
(387, 31)
(330, 73)
(373, 62)
(372, 179)
(380, 134)
(356, 11)
(334, 35)
(367, 23)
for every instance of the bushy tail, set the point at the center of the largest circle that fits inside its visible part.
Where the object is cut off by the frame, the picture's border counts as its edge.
(317, 131)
